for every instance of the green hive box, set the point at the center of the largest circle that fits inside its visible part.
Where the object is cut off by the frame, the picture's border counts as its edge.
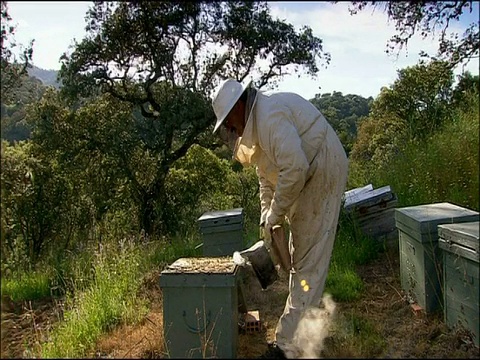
(222, 232)
(460, 246)
(420, 257)
(200, 307)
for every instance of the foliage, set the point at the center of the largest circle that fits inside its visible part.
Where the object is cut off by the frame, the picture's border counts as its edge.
(96, 148)
(13, 123)
(343, 112)
(158, 58)
(420, 96)
(413, 107)
(11, 68)
(467, 85)
(32, 200)
(379, 139)
(191, 190)
(443, 167)
(427, 17)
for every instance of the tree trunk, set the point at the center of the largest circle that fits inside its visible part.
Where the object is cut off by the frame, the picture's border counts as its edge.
(152, 211)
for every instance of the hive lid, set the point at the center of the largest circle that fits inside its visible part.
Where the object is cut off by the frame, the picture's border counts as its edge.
(222, 217)
(424, 219)
(463, 234)
(367, 197)
(352, 195)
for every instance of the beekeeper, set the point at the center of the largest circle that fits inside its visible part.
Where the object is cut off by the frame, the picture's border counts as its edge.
(302, 170)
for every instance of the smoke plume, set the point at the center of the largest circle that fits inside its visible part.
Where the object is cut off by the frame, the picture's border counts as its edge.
(313, 328)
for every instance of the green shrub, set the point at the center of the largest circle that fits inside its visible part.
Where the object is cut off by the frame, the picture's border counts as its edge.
(442, 168)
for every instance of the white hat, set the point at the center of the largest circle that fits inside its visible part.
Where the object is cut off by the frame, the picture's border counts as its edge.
(226, 95)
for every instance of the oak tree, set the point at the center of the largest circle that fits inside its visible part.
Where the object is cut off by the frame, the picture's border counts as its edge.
(165, 58)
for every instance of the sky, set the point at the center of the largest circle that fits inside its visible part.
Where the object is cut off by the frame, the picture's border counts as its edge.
(357, 44)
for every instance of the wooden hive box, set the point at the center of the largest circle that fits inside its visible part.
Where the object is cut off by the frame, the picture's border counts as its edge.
(200, 307)
(222, 232)
(420, 257)
(461, 256)
(374, 210)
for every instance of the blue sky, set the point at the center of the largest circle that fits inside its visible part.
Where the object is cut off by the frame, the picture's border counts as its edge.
(359, 64)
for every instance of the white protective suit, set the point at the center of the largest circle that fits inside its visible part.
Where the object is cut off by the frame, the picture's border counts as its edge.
(302, 170)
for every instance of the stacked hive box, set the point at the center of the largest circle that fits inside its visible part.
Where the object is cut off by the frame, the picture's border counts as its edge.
(420, 257)
(222, 232)
(460, 245)
(374, 210)
(200, 307)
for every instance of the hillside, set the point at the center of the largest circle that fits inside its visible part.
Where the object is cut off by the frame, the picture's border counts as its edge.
(47, 77)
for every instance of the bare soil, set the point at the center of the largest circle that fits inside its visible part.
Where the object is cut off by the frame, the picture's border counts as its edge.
(403, 331)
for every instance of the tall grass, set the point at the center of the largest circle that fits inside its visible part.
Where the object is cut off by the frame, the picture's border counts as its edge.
(111, 296)
(109, 299)
(33, 285)
(351, 248)
(443, 168)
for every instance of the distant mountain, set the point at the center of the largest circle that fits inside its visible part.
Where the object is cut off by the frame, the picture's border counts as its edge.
(47, 77)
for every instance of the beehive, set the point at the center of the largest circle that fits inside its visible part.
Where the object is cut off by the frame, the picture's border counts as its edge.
(222, 232)
(374, 211)
(461, 255)
(420, 257)
(200, 307)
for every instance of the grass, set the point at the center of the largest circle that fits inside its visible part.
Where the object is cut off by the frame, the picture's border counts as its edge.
(351, 248)
(343, 283)
(355, 336)
(27, 286)
(110, 299)
(112, 295)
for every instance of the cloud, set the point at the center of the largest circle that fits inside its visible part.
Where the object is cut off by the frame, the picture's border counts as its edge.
(357, 44)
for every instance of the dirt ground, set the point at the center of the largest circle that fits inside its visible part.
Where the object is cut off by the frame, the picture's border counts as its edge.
(403, 331)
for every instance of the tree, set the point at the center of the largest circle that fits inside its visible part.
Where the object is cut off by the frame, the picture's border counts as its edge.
(165, 58)
(34, 197)
(467, 84)
(13, 122)
(96, 147)
(343, 112)
(379, 138)
(420, 96)
(11, 68)
(427, 17)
